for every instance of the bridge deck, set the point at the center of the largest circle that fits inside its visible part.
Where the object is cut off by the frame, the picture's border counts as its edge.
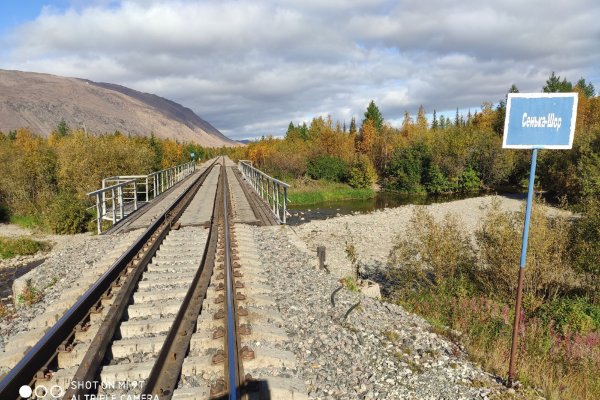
(248, 208)
(200, 210)
(142, 218)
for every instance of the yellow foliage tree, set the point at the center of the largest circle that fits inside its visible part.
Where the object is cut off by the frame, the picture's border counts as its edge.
(366, 138)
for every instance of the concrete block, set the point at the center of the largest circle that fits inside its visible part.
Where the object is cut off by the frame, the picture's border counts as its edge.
(266, 357)
(10, 358)
(370, 288)
(126, 347)
(131, 329)
(196, 393)
(143, 296)
(26, 339)
(154, 308)
(126, 372)
(197, 365)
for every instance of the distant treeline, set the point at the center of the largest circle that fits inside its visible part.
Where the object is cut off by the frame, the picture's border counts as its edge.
(442, 156)
(41, 177)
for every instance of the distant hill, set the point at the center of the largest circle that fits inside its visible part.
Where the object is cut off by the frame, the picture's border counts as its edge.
(39, 102)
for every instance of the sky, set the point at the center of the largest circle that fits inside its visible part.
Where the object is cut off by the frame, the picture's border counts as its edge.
(249, 68)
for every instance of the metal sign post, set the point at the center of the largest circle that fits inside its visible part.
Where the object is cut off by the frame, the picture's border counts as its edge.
(535, 121)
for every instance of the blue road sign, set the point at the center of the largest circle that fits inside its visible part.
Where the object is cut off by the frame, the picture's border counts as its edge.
(540, 120)
(535, 121)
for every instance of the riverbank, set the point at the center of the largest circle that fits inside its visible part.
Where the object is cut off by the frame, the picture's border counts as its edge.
(372, 234)
(304, 192)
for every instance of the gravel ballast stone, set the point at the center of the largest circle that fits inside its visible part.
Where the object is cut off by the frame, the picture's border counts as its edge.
(379, 351)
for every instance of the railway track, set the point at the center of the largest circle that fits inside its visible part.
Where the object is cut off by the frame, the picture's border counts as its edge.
(174, 317)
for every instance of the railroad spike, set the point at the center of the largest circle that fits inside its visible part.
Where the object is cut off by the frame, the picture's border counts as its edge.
(245, 329)
(218, 357)
(65, 348)
(218, 390)
(219, 314)
(247, 353)
(218, 333)
(44, 374)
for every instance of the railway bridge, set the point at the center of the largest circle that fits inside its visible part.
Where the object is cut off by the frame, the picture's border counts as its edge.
(176, 313)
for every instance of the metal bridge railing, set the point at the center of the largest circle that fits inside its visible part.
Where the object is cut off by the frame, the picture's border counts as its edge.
(121, 195)
(271, 190)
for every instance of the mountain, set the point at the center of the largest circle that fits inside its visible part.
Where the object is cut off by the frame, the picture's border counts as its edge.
(40, 101)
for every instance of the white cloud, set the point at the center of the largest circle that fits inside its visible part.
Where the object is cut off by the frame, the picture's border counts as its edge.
(249, 68)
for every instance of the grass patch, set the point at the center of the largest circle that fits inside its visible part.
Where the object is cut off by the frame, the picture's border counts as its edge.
(307, 192)
(25, 221)
(5, 312)
(350, 283)
(30, 295)
(12, 247)
(563, 365)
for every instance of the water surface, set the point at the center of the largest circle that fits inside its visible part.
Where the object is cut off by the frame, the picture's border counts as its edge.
(384, 199)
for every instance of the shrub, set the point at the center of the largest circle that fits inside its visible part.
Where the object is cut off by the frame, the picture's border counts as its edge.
(67, 214)
(572, 315)
(468, 181)
(407, 167)
(585, 248)
(436, 181)
(548, 271)
(329, 168)
(362, 173)
(434, 254)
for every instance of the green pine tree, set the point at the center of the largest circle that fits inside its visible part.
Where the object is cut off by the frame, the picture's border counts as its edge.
(587, 88)
(555, 85)
(374, 115)
(353, 126)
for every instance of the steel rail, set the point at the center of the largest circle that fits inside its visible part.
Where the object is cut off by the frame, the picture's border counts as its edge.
(164, 375)
(42, 354)
(234, 376)
(95, 354)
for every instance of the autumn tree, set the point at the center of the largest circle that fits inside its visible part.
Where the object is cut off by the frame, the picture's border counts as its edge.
(407, 124)
(366, 137)
(486, 119)
(498, 126)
